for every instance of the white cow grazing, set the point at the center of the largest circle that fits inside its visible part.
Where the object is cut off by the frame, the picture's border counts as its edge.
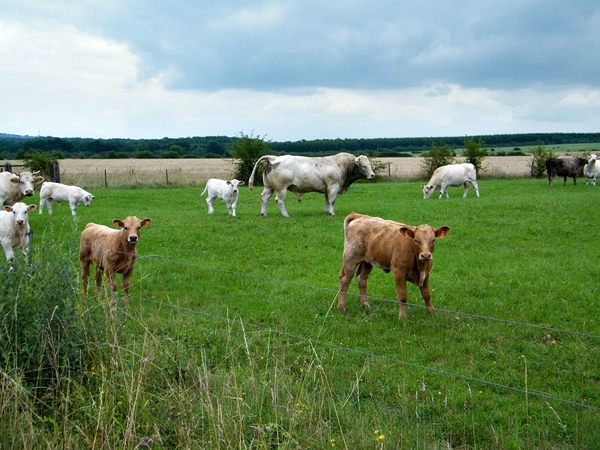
(15, 187)
(451, 175)
(591, 169)
(329, 175)
(225, 190)
(14, 228)
(63, 193)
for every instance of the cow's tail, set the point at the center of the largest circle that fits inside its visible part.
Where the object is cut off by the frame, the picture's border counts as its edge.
(204, 191)
(251, 180)
(349, 218)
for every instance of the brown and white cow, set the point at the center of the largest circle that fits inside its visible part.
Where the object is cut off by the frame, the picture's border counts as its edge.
(112, 251)
(15, 187)
(329, 175)
(404, 250)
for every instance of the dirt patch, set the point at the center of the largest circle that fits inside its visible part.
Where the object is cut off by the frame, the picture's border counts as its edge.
(93, 173)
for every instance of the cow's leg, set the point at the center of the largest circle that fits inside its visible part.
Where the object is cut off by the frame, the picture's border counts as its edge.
(99, 274)
(42, 203)
(280, 200)
(112, 281)
(265, 196)
(330, 197)
(346, 275)
(476, 187)
(426, 294)
(565, 183)
(466, 185)
(48, 205)
(362, 275)
(8, 250)
(126, 278)
(594, 181)
(401, 293)
(209, 201)
(85, 275)
(550, 179)
(575, 180)
(73, 206)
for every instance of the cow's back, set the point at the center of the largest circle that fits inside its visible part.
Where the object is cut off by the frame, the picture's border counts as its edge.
(95, 240)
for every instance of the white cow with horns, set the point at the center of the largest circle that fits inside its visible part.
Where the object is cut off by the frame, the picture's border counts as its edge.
(452, 175)
(15, 187)
(330, 175)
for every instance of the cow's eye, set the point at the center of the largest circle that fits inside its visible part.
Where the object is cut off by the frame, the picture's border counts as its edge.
(433, 241)
(126, 228)
(416, 241)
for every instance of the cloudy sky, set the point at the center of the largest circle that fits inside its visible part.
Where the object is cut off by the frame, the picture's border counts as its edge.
(298, 69)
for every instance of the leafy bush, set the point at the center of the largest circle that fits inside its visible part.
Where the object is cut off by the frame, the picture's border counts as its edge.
(247, 150)
(475, 152)
(40, 335)
(538, 161)
(37, 161)
(437, 156)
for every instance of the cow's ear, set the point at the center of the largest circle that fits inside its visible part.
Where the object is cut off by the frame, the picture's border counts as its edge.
(8, 208)
(38, 180)
(118, 223)
(408, 232)
(146, 222)
(228, 182)
(31, 208)
(442, 231)
(15, 180)
(240, 183)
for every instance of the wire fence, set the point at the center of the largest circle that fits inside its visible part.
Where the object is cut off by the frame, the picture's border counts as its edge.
(316, 341)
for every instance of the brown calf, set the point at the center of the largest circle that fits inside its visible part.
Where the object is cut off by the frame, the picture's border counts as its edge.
(404, 250)
(113, 251)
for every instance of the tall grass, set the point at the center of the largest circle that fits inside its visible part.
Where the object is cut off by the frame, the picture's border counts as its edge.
(233, 338)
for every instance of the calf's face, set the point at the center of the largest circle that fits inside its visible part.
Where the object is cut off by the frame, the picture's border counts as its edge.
(234, 185)
(20, 212)
(424, 239)
(132, 227)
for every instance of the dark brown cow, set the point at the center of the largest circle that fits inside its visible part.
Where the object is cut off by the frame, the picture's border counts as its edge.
(113, 251)
(404, 250)
(564, 168)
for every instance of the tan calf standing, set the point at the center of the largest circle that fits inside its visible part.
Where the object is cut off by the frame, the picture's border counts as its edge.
(404, 250)
(110, 250)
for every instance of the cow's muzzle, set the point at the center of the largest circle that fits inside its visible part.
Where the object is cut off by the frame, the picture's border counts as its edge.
(132, 240)
(425, 256)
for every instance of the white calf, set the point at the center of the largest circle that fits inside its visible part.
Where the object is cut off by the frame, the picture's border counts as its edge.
(592, 169)
(63, 193)
(452, 175)
(224, 190)
(14, 228)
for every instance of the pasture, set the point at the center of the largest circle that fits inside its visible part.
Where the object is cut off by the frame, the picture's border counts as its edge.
(233, 339)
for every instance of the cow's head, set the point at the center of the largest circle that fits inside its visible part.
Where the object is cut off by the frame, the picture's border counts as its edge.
(593, 158)
(87, 199)
(364, 166)
(424, 239)
(131, 228)
(428, 190)
(26, 182)
(20, 212)
(234, 185)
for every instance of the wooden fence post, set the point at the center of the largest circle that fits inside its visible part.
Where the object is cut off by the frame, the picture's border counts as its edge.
(105, 179)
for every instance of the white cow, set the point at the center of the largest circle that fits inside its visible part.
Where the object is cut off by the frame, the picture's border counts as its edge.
(15, 187)
(591, 169)
(225, 190)
(14, 228)
(451, 175)
(63, 193)
(329, 175)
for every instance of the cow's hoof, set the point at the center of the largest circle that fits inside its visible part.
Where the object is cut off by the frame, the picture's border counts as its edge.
(366, 307)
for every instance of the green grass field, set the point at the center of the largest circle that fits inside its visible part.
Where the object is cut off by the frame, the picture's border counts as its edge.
(233, 339)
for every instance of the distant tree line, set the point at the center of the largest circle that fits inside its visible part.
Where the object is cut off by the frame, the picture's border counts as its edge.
(18, 147)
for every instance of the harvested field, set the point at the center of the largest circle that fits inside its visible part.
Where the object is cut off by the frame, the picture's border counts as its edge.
(94, 173)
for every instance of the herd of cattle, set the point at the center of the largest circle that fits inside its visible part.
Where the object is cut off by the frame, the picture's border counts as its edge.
(404, 250)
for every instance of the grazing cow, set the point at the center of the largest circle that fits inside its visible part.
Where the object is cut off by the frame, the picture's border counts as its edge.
(566, 168)
(452, 175)
(15, 187)
(591, 169)
(225, 190)
(404, 250)
(113, 251)
(330, 175)
(63, 193)
(14, 228)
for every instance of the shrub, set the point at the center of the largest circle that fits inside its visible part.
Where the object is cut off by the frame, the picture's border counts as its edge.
(437, 156)
(475, 152)
(538, 161)
(247, 150)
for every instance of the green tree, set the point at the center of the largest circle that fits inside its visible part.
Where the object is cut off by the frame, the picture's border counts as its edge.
(247, 149)
(436, 156)
(37, 160)
(538, 161)
(475, 152)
